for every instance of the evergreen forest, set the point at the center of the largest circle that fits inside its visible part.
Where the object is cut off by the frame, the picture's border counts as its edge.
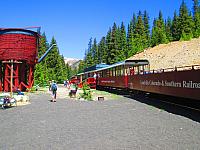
(121, 43)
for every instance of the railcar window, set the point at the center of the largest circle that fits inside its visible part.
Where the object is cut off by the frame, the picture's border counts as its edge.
(135, 70)
(122, 70)
(110, 73)
(117, 68)
(104, 73)
(146, 69)
(114, 71)
(132, 71)
(141, 69)
(126, 71)
(107, 73)
(118, 71)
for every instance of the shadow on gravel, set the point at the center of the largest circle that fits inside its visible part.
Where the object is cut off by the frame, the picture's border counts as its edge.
(156, 101)
(7, 107)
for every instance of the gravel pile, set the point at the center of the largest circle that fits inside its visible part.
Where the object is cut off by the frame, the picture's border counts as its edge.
(173, 54)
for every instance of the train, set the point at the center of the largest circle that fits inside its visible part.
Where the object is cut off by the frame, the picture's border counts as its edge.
(135, 76)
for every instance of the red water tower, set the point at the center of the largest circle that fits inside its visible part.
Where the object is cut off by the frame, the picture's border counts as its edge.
(18, 57)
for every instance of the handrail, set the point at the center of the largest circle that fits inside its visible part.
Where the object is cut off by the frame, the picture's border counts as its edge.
(182, 68)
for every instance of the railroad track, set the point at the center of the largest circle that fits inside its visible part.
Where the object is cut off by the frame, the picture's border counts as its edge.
(180, 102)
(180, 105)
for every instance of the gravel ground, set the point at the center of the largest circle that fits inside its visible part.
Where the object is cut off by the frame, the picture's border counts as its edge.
(124, 124)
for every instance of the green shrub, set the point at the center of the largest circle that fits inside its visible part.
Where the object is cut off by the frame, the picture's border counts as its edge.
(186, 37)
(86, 95)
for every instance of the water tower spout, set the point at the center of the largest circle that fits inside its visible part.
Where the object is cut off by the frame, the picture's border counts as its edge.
(45, 54)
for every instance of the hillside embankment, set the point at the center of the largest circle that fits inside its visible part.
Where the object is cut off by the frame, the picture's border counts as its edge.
(174, 54)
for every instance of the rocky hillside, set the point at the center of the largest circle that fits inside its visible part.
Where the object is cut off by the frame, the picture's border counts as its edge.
(179, 53)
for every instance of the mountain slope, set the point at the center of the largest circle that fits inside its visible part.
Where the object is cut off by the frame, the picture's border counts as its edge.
(179, 53)
(71, 61)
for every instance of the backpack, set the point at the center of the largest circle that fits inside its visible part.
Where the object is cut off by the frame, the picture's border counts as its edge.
(54, 87)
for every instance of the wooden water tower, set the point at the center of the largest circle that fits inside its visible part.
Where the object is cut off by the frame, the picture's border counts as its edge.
(18, 57)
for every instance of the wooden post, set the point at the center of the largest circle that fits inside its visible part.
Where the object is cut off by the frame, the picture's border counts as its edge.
(11, 79)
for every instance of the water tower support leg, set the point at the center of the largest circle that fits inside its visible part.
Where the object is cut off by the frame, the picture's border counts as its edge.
(6, 78)
(1, 88)
(30, 76)
(16, 75)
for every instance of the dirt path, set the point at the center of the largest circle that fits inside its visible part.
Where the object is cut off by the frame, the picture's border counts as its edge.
(62, 92)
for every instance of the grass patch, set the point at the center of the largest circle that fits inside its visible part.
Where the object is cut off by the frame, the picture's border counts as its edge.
(105, 94)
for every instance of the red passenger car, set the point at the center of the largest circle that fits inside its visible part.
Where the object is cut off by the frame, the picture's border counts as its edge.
(135, 75)
(117, 75)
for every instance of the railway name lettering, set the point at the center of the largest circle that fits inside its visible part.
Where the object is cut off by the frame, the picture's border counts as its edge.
(145, 82)
(191, 84)
(183, 84)
(108, 81)
(161, 83)
(157, 83)
(173, 84)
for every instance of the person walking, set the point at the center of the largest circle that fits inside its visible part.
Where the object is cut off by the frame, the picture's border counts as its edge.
(54, 88)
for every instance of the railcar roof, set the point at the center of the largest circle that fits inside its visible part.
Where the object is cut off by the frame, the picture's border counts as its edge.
(127, 62)
(121, 63)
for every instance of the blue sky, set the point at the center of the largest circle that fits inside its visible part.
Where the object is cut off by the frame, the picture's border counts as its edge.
(74, 22)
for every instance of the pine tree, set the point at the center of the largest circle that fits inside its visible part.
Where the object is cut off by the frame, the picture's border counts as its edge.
(185, 23)
(52, 67)
(102, 50)
(158, 31)
(134, 21)
(113, 45)
(130, 40)
(81, 66)
(108, 46)
(130, 36)
(89, 59)
(196, 18)
(94, 51)
(41, 75)
(64, 75)
(69, 71)
(162, 38)
(140, 39)
(175, 27)
(154, 37)
(147, 31)
(60, 70)
(123, 44)
(168, 28)
(118, 54)
(54, 64)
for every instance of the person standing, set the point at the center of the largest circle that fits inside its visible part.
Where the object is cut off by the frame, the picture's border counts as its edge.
(54, 88)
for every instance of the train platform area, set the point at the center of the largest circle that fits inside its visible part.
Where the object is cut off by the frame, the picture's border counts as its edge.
(120, 124)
